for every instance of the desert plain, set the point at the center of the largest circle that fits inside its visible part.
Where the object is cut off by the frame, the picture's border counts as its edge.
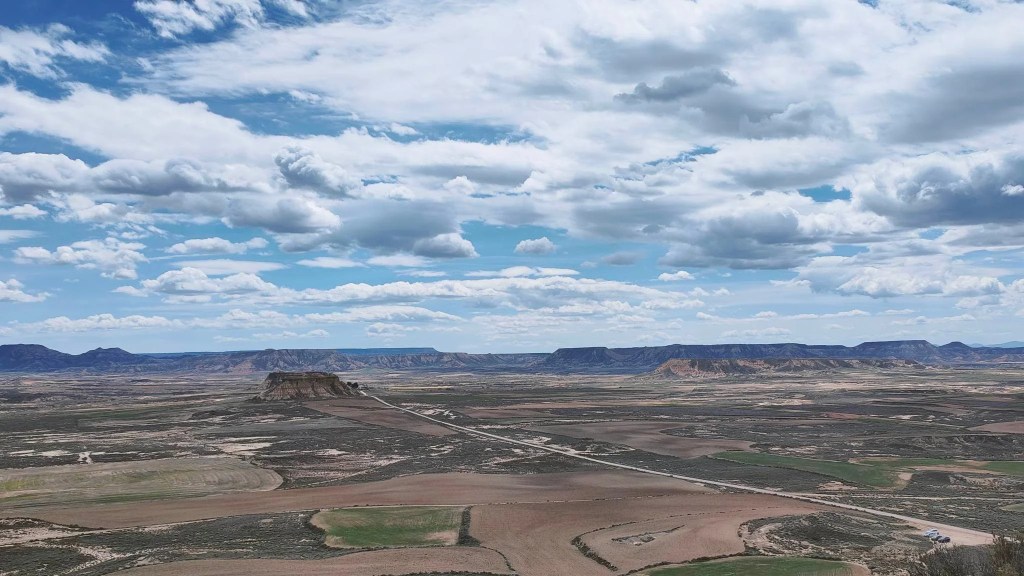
(459, 473)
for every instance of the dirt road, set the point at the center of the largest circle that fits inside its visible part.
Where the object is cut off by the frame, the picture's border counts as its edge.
(959, 535)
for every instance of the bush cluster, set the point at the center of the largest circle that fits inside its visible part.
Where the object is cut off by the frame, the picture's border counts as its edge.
(1004, 557)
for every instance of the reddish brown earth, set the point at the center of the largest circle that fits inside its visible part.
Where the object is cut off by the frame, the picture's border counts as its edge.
(373, 563)
(645, 435)
(452, 488)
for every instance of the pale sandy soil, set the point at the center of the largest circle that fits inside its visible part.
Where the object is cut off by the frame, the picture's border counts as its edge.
(646, 436)
(370, 412)
(373, 563)
(162, 478)
(451, 488)
(698, 528)
(17, 536)
(537, 538)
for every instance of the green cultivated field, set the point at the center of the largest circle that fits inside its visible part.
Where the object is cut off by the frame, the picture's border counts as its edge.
(1008, 467)
(874, 472)
(863, 474)
(759, 566)
(390, 526)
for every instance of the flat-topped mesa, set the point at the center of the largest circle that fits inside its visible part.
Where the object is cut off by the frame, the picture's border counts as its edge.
(305, 385)
(708, 368)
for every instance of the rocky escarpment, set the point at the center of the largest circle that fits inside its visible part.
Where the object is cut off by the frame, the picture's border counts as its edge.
(597, 360)
(645, 359)
(305, 386)
(681, 368)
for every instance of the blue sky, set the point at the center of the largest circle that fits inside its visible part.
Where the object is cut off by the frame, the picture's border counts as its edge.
(509, 175)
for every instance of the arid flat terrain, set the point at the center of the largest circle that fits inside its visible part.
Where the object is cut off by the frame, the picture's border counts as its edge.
(570, 475)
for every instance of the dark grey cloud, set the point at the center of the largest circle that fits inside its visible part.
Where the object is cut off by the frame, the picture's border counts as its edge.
(295, 215)
(623, 258)
(677, 87)
(626, 60)
(390, 226)
(798, 119)
(26, 177)
(941, 190)
(710, 99)
(156, 178)
(768, 239)
(960, 103)
(846, 69)
(739, 254)
(428, 229)
(628, 219)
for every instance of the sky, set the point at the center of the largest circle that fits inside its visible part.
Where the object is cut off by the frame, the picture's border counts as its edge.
(509, 175)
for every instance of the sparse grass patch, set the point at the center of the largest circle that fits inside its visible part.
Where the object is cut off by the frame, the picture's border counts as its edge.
(873, 472)
(387, 527)
(863, 474)
(132, 481)
(19, 484)
(1008, 467)
(759, 566)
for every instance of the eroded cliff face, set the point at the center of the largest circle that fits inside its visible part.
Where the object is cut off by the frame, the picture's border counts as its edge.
(304, 385)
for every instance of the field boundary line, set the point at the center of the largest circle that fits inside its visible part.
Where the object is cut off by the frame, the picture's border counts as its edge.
(917, 522)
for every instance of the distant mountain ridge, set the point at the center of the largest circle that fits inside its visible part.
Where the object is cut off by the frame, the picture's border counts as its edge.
(1012, 344)
(644, 359)
(37, 358)
(679, 368)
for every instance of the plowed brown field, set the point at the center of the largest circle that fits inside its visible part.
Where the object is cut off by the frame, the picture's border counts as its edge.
(373, 563)
(648, 436)
(537, 538)
(134, 480)
(370, 412)
(452, 488)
